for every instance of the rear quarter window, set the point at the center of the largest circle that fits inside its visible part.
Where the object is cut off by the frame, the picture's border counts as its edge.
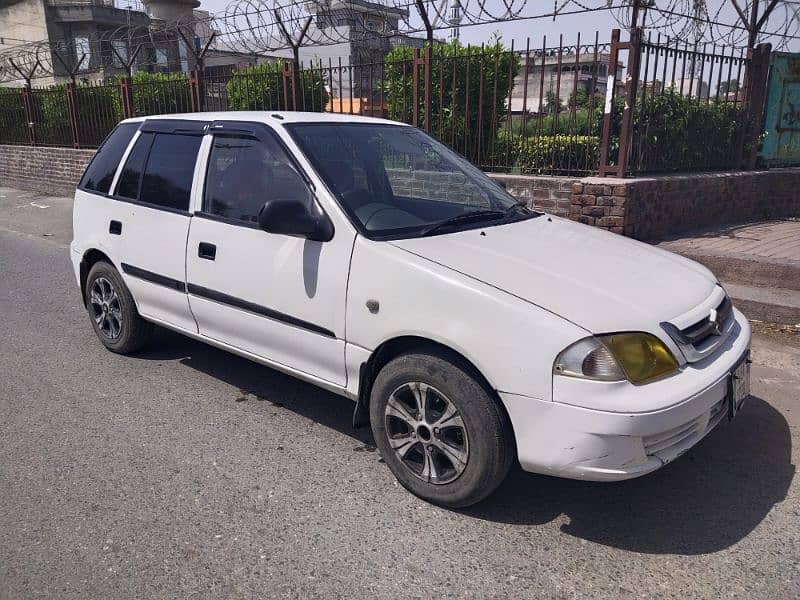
(100, 172)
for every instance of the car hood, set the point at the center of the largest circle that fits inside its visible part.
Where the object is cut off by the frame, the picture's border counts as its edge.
(598, 280)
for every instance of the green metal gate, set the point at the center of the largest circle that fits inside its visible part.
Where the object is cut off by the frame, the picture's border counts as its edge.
(781, 146)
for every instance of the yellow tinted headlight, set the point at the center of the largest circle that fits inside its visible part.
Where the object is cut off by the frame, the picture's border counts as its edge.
(643, 357)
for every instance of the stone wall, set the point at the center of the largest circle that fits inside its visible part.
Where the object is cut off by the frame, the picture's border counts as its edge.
(644, 208)
(449, 187)
(550, 194)
(657, 207)
(54, 171)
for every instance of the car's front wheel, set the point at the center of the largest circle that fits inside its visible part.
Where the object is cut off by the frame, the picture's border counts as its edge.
(113, 312)
(443, 435)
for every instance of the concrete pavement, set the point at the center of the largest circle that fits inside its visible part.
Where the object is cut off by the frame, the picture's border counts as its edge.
(759, 264)
(185, 472)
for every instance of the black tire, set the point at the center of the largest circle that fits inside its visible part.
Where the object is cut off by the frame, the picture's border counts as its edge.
(133, 331)
(490, 440)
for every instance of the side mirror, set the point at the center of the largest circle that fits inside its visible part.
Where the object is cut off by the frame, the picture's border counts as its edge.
(296, 218)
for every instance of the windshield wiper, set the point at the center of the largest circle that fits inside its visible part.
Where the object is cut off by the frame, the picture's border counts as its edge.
(475, 215)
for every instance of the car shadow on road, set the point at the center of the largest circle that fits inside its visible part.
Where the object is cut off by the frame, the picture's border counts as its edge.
(705, 501)
(257, 383)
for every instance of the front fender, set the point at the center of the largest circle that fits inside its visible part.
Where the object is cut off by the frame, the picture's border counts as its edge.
(510, 341)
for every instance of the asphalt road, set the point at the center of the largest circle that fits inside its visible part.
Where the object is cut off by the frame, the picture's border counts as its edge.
(185, 472)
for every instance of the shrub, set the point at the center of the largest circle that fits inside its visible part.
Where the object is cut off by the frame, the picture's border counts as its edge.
(556, 154)
(13, 126)
(263, 87)
(452, 90)
(675, 132)
(158, 93)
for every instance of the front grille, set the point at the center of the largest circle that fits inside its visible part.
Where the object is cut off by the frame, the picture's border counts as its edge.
(668, 444)
(699, 333)
(699, 340)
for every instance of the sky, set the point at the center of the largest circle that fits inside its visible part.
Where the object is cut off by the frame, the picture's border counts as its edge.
(569, 25)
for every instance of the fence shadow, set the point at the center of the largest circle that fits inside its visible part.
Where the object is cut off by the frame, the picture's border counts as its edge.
(707, 500)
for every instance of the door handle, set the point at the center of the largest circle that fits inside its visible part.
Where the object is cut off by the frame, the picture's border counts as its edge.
(207, 251)
(115, 228)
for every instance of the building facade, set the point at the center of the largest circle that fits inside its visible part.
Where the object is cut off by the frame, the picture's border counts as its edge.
(356, 35)
(547, 77)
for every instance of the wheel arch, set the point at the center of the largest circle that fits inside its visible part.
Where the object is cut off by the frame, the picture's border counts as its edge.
(405, 344)
(90, 258)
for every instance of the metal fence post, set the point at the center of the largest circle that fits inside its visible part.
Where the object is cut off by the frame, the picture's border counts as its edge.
(27, 103)
(415, 87)
(72, 111)
(631, 90)
(196, 90)
(427, 96)
(289, 81)
(126, 95)
(757, 79)
(605, 139)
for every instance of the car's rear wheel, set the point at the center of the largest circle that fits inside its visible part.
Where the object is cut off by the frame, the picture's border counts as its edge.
(440, 431)
(113, 312)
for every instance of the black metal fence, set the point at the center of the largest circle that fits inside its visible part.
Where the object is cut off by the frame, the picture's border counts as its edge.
(617, 108)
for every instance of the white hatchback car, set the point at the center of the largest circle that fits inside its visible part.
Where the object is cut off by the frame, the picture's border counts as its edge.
(365, 257)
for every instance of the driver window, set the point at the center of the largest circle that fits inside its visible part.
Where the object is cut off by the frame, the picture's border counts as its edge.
(243, 173)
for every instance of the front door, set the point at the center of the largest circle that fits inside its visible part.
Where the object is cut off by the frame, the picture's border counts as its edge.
(279, 297)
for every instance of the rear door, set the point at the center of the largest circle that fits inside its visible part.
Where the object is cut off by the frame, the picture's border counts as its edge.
(155, 185)
(279, 297)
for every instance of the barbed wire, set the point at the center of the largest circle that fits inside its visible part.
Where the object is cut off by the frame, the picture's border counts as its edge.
(264, 29)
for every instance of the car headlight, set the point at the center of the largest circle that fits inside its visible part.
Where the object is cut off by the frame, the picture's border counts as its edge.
(637, 357)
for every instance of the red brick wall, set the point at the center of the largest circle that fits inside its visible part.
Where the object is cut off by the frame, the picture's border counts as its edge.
(550, 194)
(646, 208)
(658, 207)
(44, 169)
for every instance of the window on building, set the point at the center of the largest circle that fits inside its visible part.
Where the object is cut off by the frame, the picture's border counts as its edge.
(162, 58)
(100, 172)
(83, 50)
(167, 178)
(243, 173)
(119, 53)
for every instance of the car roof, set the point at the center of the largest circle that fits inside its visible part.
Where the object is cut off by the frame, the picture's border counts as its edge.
(269, 117)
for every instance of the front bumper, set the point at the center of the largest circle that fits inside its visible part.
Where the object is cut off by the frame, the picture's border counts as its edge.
(566, 439)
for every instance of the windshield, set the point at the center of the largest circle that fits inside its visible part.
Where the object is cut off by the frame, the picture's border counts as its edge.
(396, 181)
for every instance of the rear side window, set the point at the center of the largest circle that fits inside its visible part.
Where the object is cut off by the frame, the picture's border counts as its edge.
(167, 178)
(131, 176)
(100, 172)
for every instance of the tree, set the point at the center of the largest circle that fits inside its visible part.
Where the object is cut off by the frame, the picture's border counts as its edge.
(468, 92)
(754, 21)
(552, 103)
(727, 87)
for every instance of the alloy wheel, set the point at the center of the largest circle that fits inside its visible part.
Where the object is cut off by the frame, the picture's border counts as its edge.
(105, 308)
(427, 433)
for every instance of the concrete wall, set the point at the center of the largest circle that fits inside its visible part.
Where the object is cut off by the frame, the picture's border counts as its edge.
(22, 20)
(644, 208)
